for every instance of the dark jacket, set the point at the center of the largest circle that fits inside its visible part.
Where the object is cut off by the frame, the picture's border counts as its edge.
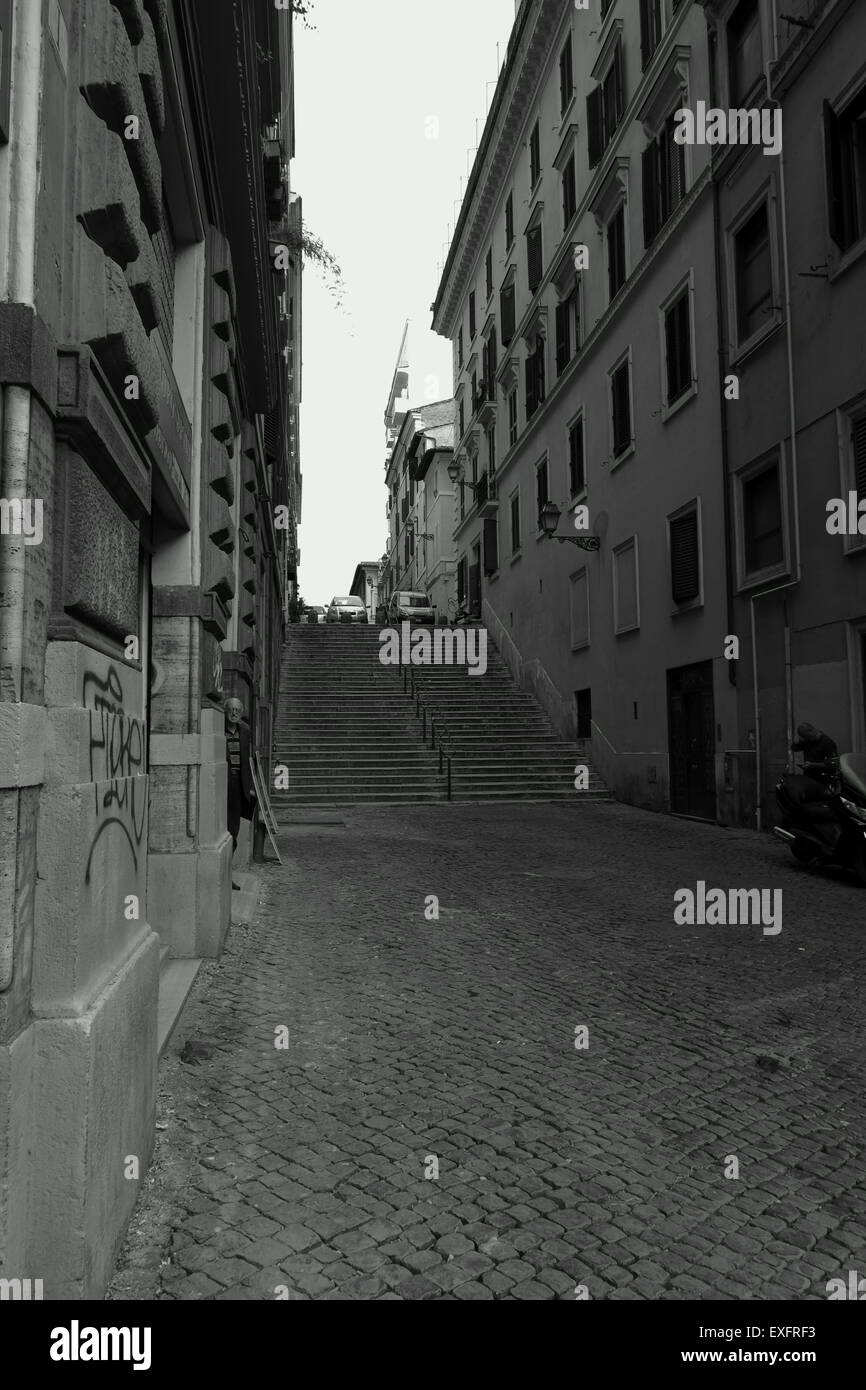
(246, 772)
(816, 750)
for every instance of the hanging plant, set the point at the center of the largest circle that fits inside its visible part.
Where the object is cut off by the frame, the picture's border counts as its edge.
(304, 9)
(301, 240)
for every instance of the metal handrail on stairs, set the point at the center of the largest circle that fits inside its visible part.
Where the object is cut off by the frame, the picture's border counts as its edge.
(409, 689)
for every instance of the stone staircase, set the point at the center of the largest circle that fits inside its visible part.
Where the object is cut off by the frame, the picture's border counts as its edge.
(344, 727)
(501, 744)
(351, 730)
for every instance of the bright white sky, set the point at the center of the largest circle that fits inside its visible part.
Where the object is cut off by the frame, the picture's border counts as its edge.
(369, 80)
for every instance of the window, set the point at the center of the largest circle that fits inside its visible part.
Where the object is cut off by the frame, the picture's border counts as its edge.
(534, 257)
(745, 59)
(579, 605)
(605, 6)
(488, 273)
(490, 538)
(509, 221)
(678, 348)
(472, 316)
(542, 496)
(685, 557)
(845, 144)
(534, 156)
(488, 366)
(569, 193)
(566, 78)
(763, 541)
(567, 328)
(535, 378)
(460, 350)
(620, 408)
(512, 417)
(461, 410)
(515, 522)
(461, 580)
(576, 461)
(5, 68)
(506, 314)
(474, 392)
(650, 29)
(616, 272)
(626, 605)
(490, 435)
(604, 108)
(754, 274)
(664, 180)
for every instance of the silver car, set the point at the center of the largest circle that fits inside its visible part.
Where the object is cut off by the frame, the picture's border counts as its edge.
(411, 606)
(349, 609)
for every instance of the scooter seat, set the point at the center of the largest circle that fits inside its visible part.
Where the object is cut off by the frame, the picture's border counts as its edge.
(853, 769)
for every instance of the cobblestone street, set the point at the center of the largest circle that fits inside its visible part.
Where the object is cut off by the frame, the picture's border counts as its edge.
(311, 1167)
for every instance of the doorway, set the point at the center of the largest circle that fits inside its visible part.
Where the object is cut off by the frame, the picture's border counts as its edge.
(691, 732)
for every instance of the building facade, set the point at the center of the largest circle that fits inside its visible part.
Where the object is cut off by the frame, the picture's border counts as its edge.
(147, 418)
(661, 336)
(579, 294)
(791, 236)
(420, 509)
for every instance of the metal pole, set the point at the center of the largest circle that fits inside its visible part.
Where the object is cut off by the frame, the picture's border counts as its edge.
(449, 776)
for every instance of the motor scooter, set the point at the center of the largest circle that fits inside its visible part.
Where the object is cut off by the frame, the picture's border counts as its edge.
(826, 828)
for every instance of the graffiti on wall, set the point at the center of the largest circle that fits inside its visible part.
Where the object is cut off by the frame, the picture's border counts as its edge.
(117, 757)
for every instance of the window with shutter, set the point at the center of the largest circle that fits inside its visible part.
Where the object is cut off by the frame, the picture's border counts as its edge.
(472, 316)
(488, 273)
(621, 409)
(540, 370)
(461, 581)
(515, 523)
(649, 167)
(754, 278)
(594, 132)
(534, 261)
(509, 220)
(534, 155)
(566, 78)
(745, 56)
(512, 418)
(5, 68)
(845, 153)
(685, 558)
(625, 587)
(616, 252)
(569, 193)
(858, 441)
(541, 493)
(531, 396)
(762, 521)
(506, 310)
(678, 348)
(576, 468)
(491, 545)
(563, 346)
(460, 349)
(650, 29)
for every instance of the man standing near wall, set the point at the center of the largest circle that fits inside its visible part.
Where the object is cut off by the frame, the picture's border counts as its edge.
(241, 793)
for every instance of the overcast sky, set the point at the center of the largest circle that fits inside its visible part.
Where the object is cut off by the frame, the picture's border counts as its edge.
(373, 82)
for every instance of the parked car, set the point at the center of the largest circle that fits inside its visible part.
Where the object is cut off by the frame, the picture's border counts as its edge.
(346, 610)
(413, 607)
(315, 613)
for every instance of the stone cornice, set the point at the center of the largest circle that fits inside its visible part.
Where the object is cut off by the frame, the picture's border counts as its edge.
(511, 108)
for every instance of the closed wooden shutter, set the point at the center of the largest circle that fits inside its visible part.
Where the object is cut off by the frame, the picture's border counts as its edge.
(833, 155)
(461, 582)
(621, 410)
(576, 472)
(535, 264)
(531, 398)
(685, 558)
(5, 68)
(646, 40)
(506, 307)
(858, 434)
(563, 349)
(649, 165)
(594, 126)
(619, 82)
(491, 546)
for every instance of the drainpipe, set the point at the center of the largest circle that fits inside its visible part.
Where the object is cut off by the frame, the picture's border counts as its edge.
(20, 285)
(795, 484)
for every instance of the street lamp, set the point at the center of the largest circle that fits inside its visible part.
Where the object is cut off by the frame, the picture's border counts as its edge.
(457, 475)
(549, 516)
